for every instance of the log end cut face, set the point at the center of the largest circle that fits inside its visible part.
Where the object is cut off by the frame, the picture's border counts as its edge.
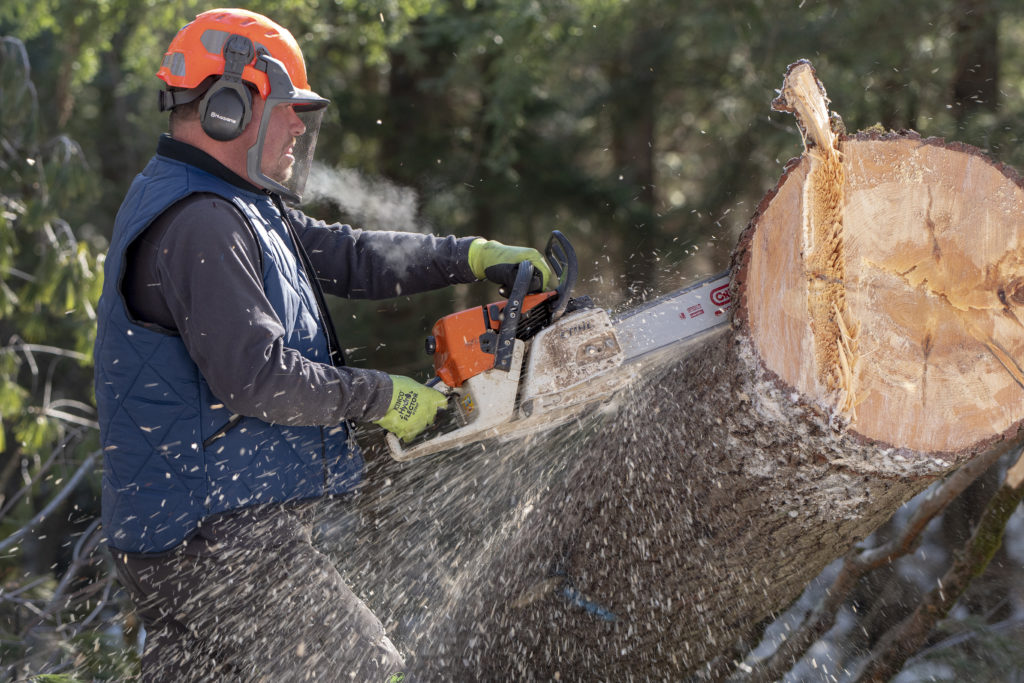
(910, 322)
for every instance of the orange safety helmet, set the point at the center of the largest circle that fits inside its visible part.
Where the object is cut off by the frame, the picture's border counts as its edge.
(196, 52)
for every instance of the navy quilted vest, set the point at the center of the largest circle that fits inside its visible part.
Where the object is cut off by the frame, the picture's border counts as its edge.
(173, 455)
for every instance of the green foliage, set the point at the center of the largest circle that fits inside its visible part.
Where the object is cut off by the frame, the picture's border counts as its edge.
(49, 285)
(51, 280)
(19, 106)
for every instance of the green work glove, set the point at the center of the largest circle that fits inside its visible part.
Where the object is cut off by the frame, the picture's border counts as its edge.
(413, 407)
(499, 262)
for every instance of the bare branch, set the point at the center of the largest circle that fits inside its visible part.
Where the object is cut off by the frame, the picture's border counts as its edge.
(16, 345)
(71, 403)
(89, 539)
(40, 472)
(10, 594)
(83, 551)
(70, 418)
(902, 641)
(1011, 624)
(28, 277)
(108, 587)
(54, 503)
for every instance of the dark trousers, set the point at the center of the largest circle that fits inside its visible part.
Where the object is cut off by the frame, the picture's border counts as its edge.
(250, 599)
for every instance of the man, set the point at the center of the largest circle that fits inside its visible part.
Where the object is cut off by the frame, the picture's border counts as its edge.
(223, 397)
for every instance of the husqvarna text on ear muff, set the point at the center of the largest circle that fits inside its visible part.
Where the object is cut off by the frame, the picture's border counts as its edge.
(226, 107)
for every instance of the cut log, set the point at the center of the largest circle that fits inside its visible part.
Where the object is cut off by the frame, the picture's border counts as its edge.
(876, 344)
(907, 252)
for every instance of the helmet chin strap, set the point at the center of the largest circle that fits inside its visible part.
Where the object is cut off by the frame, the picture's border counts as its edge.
(281, 91)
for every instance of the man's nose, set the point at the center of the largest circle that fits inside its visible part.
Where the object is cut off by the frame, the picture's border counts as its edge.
(297, 126)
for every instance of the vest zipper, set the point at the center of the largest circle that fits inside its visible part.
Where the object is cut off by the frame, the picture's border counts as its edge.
(228, 426)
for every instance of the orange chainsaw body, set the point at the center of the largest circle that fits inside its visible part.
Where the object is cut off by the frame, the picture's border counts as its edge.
(463, 341)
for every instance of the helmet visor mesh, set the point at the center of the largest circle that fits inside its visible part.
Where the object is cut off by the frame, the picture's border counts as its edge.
(310, 109)
(303, 149)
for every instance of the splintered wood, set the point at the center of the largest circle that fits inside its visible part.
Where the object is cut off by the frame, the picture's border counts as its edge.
(885, 282)
(834, 334)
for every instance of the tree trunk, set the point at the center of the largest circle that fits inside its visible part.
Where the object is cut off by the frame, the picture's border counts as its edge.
(875, 345)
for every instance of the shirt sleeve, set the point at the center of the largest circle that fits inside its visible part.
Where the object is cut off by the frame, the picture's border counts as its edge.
(210, 275)
(379, 264)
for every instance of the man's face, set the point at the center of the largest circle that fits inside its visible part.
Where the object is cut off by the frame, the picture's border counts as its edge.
(278, 146)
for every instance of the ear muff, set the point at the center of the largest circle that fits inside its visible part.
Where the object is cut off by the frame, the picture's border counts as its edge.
(226, 107)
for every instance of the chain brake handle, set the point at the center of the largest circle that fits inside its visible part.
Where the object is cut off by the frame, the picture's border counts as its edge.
(562, 259)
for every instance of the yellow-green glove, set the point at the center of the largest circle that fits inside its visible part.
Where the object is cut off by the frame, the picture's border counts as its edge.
(413, 407)
(498, 262)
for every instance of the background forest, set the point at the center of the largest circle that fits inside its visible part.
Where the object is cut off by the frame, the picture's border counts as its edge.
(640, 128)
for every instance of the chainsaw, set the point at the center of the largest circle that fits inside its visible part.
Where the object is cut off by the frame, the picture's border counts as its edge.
(539, 359)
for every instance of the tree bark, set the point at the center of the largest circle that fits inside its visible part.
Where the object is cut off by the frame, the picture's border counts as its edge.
(874, 346)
